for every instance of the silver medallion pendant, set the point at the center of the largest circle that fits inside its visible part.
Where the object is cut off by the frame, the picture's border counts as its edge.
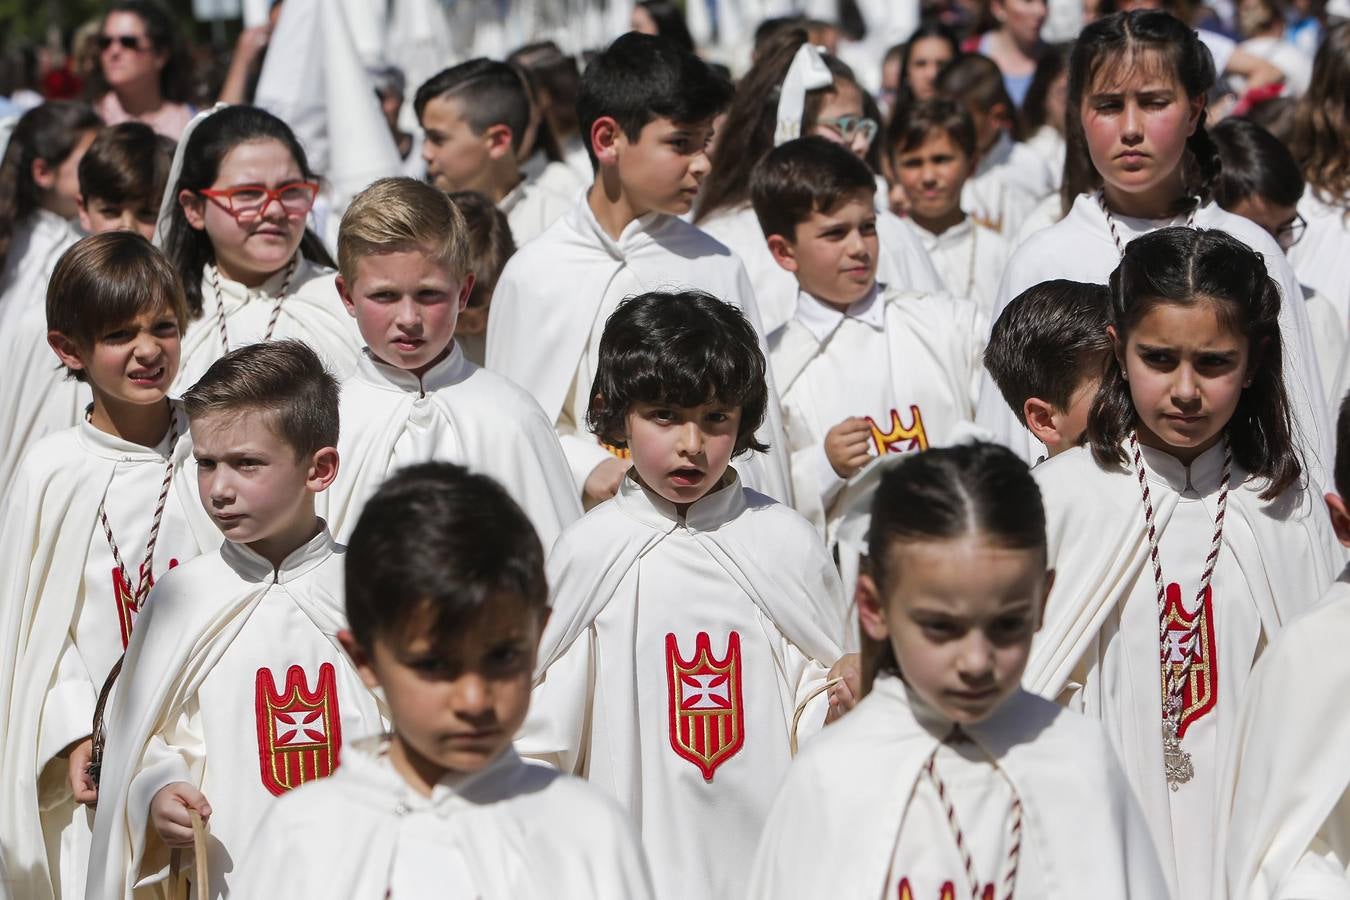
(1177, 763)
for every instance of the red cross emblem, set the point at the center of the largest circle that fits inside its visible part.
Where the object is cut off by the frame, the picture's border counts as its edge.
(299, 731)
(707, 721)
(1183, 637)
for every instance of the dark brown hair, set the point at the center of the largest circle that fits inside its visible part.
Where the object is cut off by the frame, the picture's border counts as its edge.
(126, 163)
(913, 124)
(1322, 120)
(977, 82)
(805, 176)
(490, 243)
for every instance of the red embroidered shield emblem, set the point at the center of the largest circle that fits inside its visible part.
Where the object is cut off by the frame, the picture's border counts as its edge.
(299, 731)
(947, 891)
(707, 720)
(1191, 634)
(125, 598)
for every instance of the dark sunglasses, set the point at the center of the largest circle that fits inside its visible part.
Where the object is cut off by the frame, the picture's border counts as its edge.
(127, 41)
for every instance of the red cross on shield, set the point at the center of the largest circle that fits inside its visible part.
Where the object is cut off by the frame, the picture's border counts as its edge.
(707, 719)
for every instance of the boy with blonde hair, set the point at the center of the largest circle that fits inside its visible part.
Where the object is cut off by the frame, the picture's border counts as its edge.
(646, 110)
(235, 688)
(94, 515)
(403, 255)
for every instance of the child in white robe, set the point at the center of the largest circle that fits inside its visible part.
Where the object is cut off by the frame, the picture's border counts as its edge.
(234, 687)
(865, 369)
(403, 259)
(932, 150)
(648, 109)
(446, 598)
(491, 244)
(1184, 532)
(948, 779)
(476, 117)
(95, 513)
(793, 90)
(234, 226)
(693, 619)
(43, 157)
(1284, 805)
(1260, 181)
(1009, 178)
(1121, 189)
(1046, 353)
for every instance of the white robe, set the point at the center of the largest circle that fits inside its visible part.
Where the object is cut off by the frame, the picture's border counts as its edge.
(225, 641)
(903, 262)
(1079, 247)
(1329, 331)
(918, 383)
(61, 623)
(736, 609)
(36, 397)
(1050, 145)
(970, 258)
(539, 201)
(1008, 182)
(554, 296)
(1099, 646)
(312, 312)
(1322, 258)
(855, 815)
(1285, 803)
(456, 412)
(509, 831)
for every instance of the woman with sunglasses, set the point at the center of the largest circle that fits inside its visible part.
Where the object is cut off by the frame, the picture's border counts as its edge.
(794, 90)
(237, 232)
(142, 74)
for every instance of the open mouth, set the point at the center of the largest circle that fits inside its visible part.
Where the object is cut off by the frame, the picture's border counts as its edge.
(407, 345)
(686, 476)
(152, 376)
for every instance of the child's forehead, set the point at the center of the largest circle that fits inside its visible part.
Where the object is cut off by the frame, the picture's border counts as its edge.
(1137, 69)
(856, 205)
(665, 125)
(252, 426)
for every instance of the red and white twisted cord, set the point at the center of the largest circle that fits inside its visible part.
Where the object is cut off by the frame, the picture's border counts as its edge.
(276, 308)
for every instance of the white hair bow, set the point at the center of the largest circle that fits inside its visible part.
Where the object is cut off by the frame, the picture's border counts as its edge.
(170, 198)
(808, 72)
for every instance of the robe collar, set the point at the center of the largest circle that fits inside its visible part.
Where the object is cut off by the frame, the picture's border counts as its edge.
(236, 292)
(251, 566)
(454, 793)
(706, 514)
(106, 446)
(380, 374)
(821, 319)
(635, 235)
(1202, 476)
(997, 733)
(1128, 227)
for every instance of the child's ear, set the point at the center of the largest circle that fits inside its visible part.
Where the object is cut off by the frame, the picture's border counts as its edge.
(465, 290)
(498, 139)
(44, 174)
(605, 137)
(66, 350)
(1041, 417)
(193, 209)
(1117, 349)
(1340, 517)
(345, 293)
(783, 252)
(85, 222)
(871, 609)
(323, 468)
(359, 657)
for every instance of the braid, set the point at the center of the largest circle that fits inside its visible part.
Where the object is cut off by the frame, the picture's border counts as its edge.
(1205, 164)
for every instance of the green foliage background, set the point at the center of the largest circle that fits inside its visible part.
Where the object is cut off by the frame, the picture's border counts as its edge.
(29, 21)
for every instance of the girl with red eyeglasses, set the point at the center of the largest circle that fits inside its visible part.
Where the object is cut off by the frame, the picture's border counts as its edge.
(237, 233)
(142, 68)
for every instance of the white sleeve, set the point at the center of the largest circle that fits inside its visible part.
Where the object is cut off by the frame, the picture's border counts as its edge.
(557, 728)
(68, 709)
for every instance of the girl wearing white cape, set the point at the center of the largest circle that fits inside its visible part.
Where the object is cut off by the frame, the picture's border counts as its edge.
(1138, 157)
(1184, 531)
(952, 757)
(233, 223)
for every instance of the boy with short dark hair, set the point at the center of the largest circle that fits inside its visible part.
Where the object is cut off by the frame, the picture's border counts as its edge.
(694, 619)
(122, 179)
(404, 276)
(94, 514)
(477, 117)
(234, 686)
(446, 599)
(646, 110)
(1046, 353)
(864, 370)
(491, 244)
(932, 154)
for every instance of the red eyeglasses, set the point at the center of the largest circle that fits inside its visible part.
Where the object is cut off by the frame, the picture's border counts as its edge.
(249, 202)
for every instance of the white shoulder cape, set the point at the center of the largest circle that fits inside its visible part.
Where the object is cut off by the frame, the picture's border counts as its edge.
(490, 425)
(49, 514)
(837, 818)
(515, 824)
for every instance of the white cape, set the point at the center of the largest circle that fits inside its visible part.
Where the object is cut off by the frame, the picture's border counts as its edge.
(49, 515)
(456, 412)
(1286, 776)
(1322, 257)
(546, 304)
(1079, 247)
(514, 824)
(840, 811)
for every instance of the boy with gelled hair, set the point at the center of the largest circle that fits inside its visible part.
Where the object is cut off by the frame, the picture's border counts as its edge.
(646, 111)
(403, 256)
(234, 687)
(694, 619)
